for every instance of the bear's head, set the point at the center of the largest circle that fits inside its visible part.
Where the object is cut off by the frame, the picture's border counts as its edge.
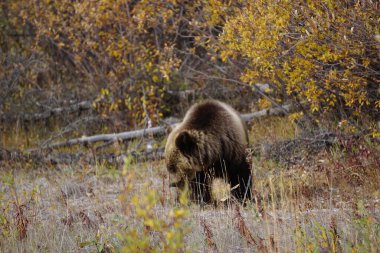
(182, 154)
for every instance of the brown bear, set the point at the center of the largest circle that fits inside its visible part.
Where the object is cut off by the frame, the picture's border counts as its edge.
(210, 143)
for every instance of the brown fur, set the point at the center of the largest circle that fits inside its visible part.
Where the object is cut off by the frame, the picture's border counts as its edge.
(209, 143)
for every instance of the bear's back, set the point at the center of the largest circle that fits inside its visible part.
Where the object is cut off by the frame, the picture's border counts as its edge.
(215, 117)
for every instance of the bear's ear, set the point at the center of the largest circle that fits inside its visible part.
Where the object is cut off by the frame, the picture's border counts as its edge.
(185, 142)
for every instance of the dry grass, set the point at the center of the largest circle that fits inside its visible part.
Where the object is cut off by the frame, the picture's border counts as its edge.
(328, 205)
(271, 129)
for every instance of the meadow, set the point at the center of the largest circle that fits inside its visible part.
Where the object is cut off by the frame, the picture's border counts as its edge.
(306, 200)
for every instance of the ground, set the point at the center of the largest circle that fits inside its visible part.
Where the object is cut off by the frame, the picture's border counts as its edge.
(324, 202)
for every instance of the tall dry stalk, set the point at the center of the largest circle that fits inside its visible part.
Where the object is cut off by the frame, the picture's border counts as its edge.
(246, 233)
(212, 248)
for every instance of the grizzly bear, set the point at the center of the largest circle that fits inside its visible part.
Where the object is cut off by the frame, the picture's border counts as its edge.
(210, 143)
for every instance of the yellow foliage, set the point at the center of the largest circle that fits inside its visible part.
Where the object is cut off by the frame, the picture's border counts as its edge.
(264, 103)
(317, 50)
(295, 116)
(325, 53)
(171, 227)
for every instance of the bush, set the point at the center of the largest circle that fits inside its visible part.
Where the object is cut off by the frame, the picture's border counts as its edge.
(322, 54)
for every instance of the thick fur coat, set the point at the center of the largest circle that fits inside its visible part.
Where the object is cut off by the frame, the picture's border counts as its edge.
(209, 143)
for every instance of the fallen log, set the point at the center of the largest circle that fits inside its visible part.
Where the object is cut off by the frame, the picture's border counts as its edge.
(288, 152)
(110, 137)
(154, 131)
(248, 117)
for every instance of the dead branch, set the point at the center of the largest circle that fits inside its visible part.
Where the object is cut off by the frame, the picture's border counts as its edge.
(154, 131)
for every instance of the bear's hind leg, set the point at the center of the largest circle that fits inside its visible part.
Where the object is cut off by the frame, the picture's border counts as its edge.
(241, 176)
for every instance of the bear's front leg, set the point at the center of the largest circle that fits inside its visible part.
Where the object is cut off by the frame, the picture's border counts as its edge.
(199, 187)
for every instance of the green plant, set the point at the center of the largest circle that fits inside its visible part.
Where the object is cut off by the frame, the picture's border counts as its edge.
(101, 247)
(153, 232)
(153, 229)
